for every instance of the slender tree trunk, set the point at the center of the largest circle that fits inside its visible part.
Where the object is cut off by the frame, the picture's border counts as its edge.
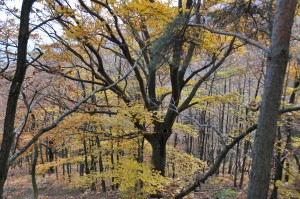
(93, 166)
(81, 169)
(28, 163)
(218, 153)
(33, 171)
(47, 152)
(63, 165)
(246, 147)
(14, 92)
(87, 169)
(236, 164)
(201, 136)
(140, 159)
(205, 138)
(101, 167)
(230, 164)
(56, 173)
(278, 166)
(68, 165)
(41, 153)
(51, 154)
(113, 166)
(212, 153)
(267, 122)
(118, 159)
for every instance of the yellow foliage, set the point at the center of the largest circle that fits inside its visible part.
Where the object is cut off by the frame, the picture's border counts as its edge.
(232, 97)
(155, 14)
(295, 142)
(43, 168)
(129, 173)
(289, 189)
(185, 128)
(185, 165)
(232, 71)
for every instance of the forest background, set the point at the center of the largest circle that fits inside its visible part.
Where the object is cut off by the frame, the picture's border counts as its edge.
(152, 98)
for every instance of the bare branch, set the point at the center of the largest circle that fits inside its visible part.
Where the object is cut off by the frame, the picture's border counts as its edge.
(217, 163)
(35, 59)
(291, 109)
(242, 37)
(222, 155)
(186, 102)
(67, 113)
(44, 22)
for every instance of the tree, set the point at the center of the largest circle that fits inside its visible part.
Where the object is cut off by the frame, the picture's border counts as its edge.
(7, 153)
(8, 132)
(172, 52)
(278, 57)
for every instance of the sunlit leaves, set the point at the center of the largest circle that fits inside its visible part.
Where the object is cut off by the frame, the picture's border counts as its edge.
(185, 128)
(183, 166)
(138, 13)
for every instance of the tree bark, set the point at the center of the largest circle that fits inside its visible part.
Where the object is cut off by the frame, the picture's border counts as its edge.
(236, 170)
(267, 122)
(158, 143)
(101, 167)
(33, 171)
(14, 92)
(50, 149)
(246, 147)
(159, 146)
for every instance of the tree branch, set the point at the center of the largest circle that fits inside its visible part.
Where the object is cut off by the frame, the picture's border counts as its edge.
(222, 155)
(242, 37)
(217, 163)
(186, 102)
(291, 109)
(61, 117)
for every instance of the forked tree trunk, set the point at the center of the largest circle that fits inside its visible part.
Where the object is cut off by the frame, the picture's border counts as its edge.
(267, 121)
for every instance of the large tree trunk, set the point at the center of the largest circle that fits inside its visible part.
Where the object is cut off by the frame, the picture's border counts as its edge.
(267, 122)
(158, 143)
(8, 131)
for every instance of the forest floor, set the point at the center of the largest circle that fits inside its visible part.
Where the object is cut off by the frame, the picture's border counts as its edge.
(18, 186)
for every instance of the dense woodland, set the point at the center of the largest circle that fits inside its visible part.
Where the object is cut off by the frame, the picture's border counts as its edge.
(151, 98)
